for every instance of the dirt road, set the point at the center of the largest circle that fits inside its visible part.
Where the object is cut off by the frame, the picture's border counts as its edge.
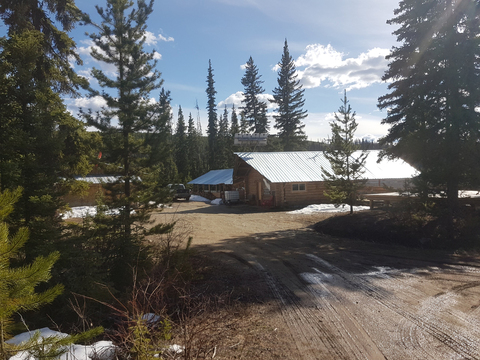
(341, 299)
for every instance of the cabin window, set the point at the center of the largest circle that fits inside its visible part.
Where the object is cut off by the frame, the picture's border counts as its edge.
(298, 187)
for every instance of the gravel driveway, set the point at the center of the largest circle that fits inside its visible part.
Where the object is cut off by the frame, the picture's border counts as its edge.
(343, 299)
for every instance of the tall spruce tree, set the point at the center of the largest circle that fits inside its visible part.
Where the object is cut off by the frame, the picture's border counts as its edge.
(196, 152)
(212, 129)
(254, 108)
(243, 123)
(234, 125)
(128, 115)
(35, 71)
(434, 83)
(288, 95)
(343, 179)
(181, 151)
(38, 150)
(224, 142)
(57, 49)
(161, 162)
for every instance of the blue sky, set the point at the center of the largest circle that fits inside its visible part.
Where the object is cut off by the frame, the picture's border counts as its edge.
(336, 45)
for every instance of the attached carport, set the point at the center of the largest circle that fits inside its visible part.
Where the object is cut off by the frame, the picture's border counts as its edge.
(213, 184)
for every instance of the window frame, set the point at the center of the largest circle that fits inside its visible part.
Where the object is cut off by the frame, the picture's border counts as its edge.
(299, 185)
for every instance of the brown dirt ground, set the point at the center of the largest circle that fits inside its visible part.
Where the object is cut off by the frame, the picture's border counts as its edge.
(289, 292)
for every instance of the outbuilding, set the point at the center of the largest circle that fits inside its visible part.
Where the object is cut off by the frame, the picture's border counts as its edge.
(95, 188)
(295, 178)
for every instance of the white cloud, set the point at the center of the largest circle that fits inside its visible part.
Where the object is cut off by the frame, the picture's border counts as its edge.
(163, 38)
(95, 104)
(237, 98)
(234, 99)
(323, 64)
(266, 98)
(152, 39)
(317, 126)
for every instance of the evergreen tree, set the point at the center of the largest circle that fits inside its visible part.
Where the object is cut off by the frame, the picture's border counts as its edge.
(195, 150)
(34, 71)
(343, 179)
(243, 123)
(120, 43)
(181, 150)
(162, 143)
(19, 290)
(288, 95)
(225, 143)
(18, 285)
(234, 127)
(38, 138)
(255, 110)
(55, 48)
(160, 163)
(212, 129)
(434, 83)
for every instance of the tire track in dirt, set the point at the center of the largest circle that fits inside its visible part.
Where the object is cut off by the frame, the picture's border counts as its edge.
(355, 336)
(312, 339)
(320, 328)
(442, 304)
(445, 333)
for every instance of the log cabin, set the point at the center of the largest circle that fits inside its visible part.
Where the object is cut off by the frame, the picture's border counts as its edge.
(294, 178)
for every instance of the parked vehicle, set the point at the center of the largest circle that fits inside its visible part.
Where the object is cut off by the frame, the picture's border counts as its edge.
(179, 191)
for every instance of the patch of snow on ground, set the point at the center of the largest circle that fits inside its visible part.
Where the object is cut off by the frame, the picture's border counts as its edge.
(198, 198)
(176, 349)
(102, 350)
(44, 333)
(217, 202)
(311, 209)
(80, 212)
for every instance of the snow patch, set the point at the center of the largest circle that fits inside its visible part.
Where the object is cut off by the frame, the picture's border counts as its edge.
(82, 211)
(199, 198)
(312, 209)
(101, 350)
(217, 202)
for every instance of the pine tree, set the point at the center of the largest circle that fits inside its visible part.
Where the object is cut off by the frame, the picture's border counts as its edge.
(288, 95)
(212, 129)
(55, 47)
(120, 43)
(18, 285)
(243, 123)
(196, 153)
(343, 179)
(34, 71)
(181, 151)
(162, 169)
(37, 138)
(434, 83)
(19, 290)
(255, 109)
(234, 126)
(225, 142)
